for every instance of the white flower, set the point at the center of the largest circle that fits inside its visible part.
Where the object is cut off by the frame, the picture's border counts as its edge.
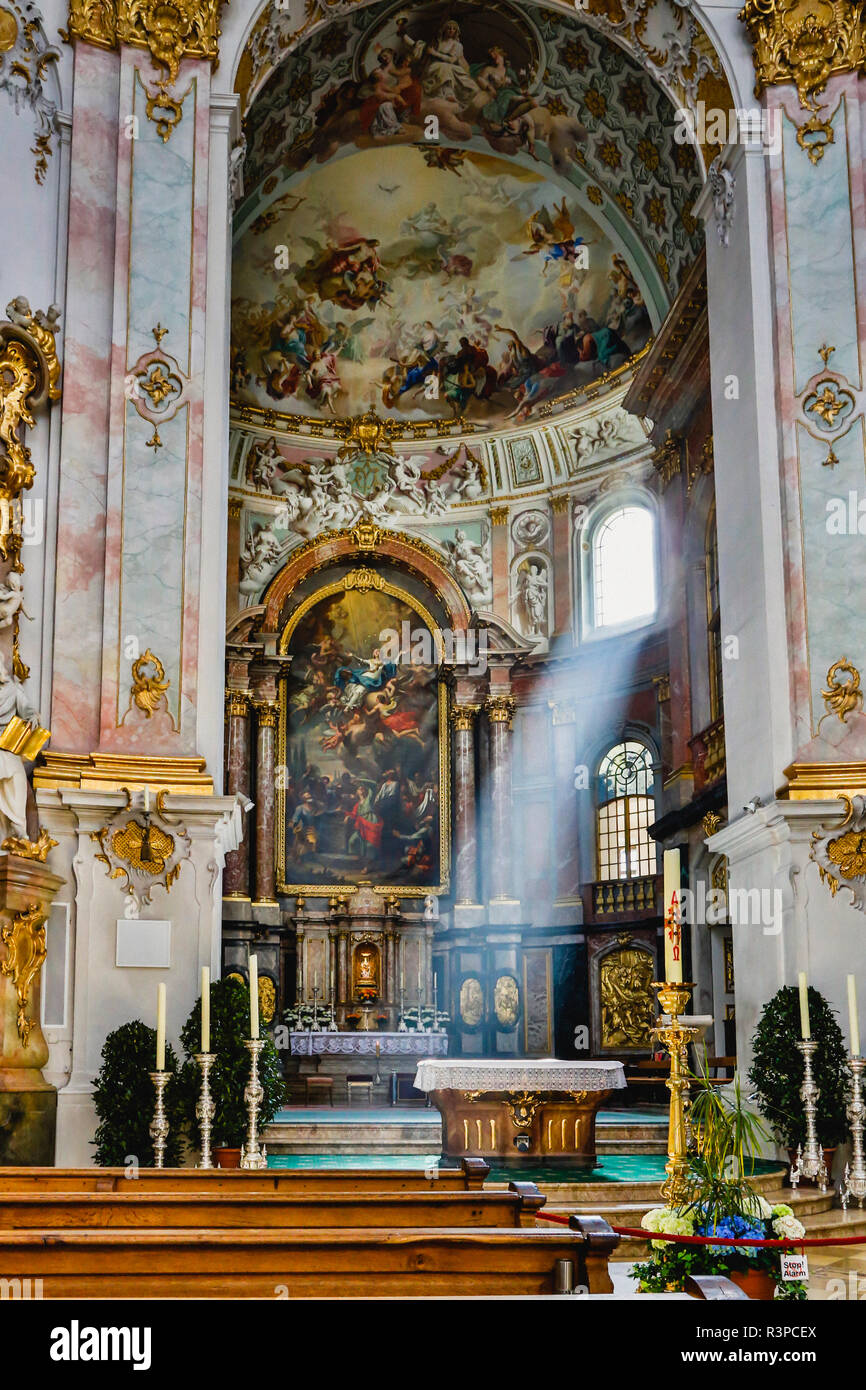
(783, 1210)
(788, 1228)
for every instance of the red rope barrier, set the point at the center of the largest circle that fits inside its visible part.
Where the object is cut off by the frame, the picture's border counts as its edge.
(638, 1233)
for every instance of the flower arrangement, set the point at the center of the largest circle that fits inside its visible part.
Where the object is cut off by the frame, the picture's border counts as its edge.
(719, 1200)
(671, 1263)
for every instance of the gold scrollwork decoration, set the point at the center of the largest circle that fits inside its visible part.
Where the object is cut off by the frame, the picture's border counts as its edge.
(148, 689)
(843, 697)
(30, 849)
(24, 938)
(364, 580)
(521, 1106)
(805, 42)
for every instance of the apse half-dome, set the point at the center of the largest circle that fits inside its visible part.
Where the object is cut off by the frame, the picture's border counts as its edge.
(453, 212)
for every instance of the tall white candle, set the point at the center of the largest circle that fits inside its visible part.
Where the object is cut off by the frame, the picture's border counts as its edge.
(205, 1009)
(805, 1030)
(672, 920)
(147, 801)
(160, 1027)
(853, 1020)
(254, 996)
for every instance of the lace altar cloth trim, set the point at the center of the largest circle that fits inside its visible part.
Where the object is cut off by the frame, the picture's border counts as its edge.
(364, 1044)
(534, 1074)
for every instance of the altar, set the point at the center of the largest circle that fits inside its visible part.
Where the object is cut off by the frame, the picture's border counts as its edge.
(520, 1109)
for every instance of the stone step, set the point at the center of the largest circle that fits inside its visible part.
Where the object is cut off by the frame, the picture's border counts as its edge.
(604, 1144)
(348, 1137)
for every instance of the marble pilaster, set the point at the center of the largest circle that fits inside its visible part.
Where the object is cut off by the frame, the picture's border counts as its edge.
(236, 876)
(504, 907)
(265, 887)
(465, 819)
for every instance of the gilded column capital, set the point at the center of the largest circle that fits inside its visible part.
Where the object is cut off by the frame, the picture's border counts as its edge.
(268, 713)
(668, 458)
(463, 716)
(559, 503)
(500, 709)
(169, 29)
(804, 42)
(237, 703)
(498, 516)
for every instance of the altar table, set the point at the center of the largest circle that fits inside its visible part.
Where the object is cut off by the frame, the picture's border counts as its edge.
(524, 1109)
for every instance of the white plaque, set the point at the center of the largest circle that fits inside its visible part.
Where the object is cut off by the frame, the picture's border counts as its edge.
(143, 944)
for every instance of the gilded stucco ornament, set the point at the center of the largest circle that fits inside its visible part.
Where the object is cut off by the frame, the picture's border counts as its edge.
(24, 938)
(840, 853)
(843, 697)
(25, 60)
(169, 29)
(141, 852)
(149, 685)
(804, 42)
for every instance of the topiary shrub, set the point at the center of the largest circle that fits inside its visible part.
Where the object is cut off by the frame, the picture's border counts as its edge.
(124, 1096)
(777, 1069)
(229, 1029)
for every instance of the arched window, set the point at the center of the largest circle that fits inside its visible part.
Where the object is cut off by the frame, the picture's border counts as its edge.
(714, 622)
(625, 811)
(624, 567)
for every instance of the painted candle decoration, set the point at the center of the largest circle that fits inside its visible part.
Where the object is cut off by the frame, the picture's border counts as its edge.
(673, 923)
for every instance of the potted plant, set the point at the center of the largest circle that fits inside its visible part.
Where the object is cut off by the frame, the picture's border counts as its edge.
(777, 1071)
(125, 1098)
(229, 1029)
(720, 1201)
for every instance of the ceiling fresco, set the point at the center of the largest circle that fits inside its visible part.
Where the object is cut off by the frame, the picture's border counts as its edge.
(522, 252)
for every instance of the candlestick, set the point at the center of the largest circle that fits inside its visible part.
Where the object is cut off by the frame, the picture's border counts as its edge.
(160, 1027)
(805, 1030)
(810, 1161)
(673, 997)
(205, 1009)
(254, 997)
(854, 1183)
(159, 1123)
(253, 1156)
(672, 926)
(853, 1020)
(206, 1107)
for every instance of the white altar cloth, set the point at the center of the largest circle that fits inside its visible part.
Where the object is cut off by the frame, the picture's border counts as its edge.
(519, 1074)
(302, 1044)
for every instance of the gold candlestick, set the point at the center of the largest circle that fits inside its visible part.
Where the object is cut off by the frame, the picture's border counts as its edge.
(159, 1123)
(675, 1037)
(206, 1108)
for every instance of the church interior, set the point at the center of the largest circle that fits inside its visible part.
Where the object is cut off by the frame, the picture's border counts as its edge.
(432, 743)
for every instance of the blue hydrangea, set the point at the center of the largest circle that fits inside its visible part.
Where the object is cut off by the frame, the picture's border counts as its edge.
(731, 1227)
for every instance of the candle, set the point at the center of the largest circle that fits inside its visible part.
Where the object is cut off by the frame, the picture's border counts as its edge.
(419, 979)
(254, 996)
(205, 1009)
(673, 926)
(147, 801)
(805, 1030)
(160, 1027)
(853, 1021)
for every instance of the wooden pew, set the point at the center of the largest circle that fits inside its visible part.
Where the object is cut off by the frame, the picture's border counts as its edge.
(310, 1263)
(132, 1207)
(468, 1177)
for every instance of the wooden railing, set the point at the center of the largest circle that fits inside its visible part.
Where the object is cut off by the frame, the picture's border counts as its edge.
(623, 898)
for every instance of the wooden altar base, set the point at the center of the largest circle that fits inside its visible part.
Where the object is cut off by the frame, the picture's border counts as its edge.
(520, 1128)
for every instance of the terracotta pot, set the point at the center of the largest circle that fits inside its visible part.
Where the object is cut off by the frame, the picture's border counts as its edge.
(227, 1157)
(756, 1283)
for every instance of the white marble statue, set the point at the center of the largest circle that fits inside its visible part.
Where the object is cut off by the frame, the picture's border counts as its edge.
(13, 778)
(12, 599)
(472, 565)
(532, 588)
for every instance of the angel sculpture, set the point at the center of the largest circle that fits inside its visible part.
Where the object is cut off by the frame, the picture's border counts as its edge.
(12, 600)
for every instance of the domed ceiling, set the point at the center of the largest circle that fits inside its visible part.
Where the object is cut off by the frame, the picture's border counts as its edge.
(453, 212)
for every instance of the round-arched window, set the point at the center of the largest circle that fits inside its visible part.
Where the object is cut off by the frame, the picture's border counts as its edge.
(626, 809)
(624, 567)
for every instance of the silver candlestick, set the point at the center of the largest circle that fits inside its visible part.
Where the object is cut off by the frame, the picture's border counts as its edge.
(854, 1184)
(809, 1162)
(254, 1156)
(206, 1107)
(159, 1123)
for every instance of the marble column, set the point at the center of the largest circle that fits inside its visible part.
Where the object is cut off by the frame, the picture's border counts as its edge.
(343, 967)
(299, 965)
(465, 827)
(267, 711)
(236, 875)
(500, 714)
(388, 968)
(332, 969)
(499, 561)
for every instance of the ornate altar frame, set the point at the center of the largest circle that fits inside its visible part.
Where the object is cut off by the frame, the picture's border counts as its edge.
(361, 579)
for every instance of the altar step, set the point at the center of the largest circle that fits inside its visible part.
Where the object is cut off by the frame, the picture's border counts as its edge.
(362, 1130)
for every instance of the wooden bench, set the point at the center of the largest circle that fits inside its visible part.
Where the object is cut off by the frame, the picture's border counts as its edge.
(281, 1210)
(319, 1263)
(466, 1177)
